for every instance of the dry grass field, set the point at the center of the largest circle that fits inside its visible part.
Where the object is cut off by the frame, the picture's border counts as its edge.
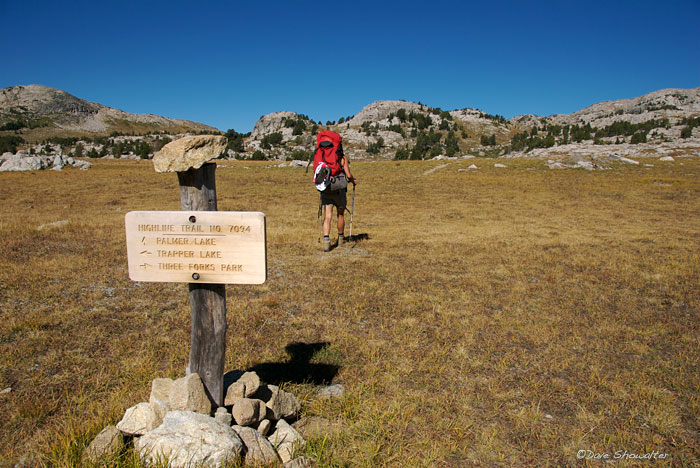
(488, 318)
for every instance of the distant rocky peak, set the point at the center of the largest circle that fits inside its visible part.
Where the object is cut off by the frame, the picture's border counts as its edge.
(37, 99)
(54, 111)
(380, 110)
(686, 100)
(275, 122)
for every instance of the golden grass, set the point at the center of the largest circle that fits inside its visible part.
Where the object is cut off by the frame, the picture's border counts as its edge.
(499, 317)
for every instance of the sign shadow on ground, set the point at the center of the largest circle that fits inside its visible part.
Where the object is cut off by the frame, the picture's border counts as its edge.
(298, 369)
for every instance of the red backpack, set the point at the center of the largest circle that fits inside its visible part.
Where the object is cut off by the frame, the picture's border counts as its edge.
(327, 144)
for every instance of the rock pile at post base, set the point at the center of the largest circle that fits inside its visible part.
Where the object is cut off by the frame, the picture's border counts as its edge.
(176, 425)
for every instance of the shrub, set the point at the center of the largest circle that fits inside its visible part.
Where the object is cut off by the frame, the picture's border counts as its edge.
(235, 140)
(299, 127)
(14, 125)
(628, 128)
(451, 144)
(376, 147)
(258, 156)
(143, 149)
(422, 121)
(273, 139)
(401, 153)
(579, 134)
(10, 143)
(639, 137)
(397, 129)
(427, 144)
(301, 155)
(78, 151)
(488, 141)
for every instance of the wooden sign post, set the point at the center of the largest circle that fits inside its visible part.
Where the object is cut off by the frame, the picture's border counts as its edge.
(207, 301)
(220, 249)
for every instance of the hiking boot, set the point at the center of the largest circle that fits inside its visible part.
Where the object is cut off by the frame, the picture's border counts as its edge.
(341, 240)
(326, 245)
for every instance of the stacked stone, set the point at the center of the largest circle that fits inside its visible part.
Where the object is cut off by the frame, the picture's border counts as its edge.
(176, 425)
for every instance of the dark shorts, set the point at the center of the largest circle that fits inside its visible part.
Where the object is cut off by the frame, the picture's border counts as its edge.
(338, 198)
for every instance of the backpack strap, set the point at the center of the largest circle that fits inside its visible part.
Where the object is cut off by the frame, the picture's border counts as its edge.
(321, 147)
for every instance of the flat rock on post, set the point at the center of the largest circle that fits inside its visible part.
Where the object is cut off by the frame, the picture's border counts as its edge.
(188, 153)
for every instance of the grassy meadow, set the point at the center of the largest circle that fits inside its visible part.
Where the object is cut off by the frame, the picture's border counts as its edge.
(487, 318)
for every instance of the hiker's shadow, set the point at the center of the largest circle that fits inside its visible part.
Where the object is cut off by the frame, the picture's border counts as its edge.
(358, 237)
(299, 368)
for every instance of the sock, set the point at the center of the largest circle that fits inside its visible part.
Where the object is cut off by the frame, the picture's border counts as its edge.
(341, 236)
(326, 238)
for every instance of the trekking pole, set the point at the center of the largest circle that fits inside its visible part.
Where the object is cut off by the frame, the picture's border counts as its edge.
(320, 230)
(352, 210)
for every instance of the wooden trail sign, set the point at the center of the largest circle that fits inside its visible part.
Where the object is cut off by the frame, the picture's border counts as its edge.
(223, 247)
(200, 246)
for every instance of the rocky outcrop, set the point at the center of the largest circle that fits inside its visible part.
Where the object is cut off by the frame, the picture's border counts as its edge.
(272, 123)
(23, 161)
(379, 123)
(662, 103)
(572, 153)
(17, 162)
(666, 103)
(380, 110)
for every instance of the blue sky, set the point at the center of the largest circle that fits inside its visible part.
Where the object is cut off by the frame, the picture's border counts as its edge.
(227, 63)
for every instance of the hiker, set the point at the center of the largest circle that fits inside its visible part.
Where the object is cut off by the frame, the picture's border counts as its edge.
(331, 173)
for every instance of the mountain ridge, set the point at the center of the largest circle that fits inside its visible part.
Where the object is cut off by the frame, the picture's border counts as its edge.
(401, 129)
(57, 111)
(396, 129)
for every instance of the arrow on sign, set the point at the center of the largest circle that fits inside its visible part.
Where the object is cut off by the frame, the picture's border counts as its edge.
(146, 266)
(146, 252)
